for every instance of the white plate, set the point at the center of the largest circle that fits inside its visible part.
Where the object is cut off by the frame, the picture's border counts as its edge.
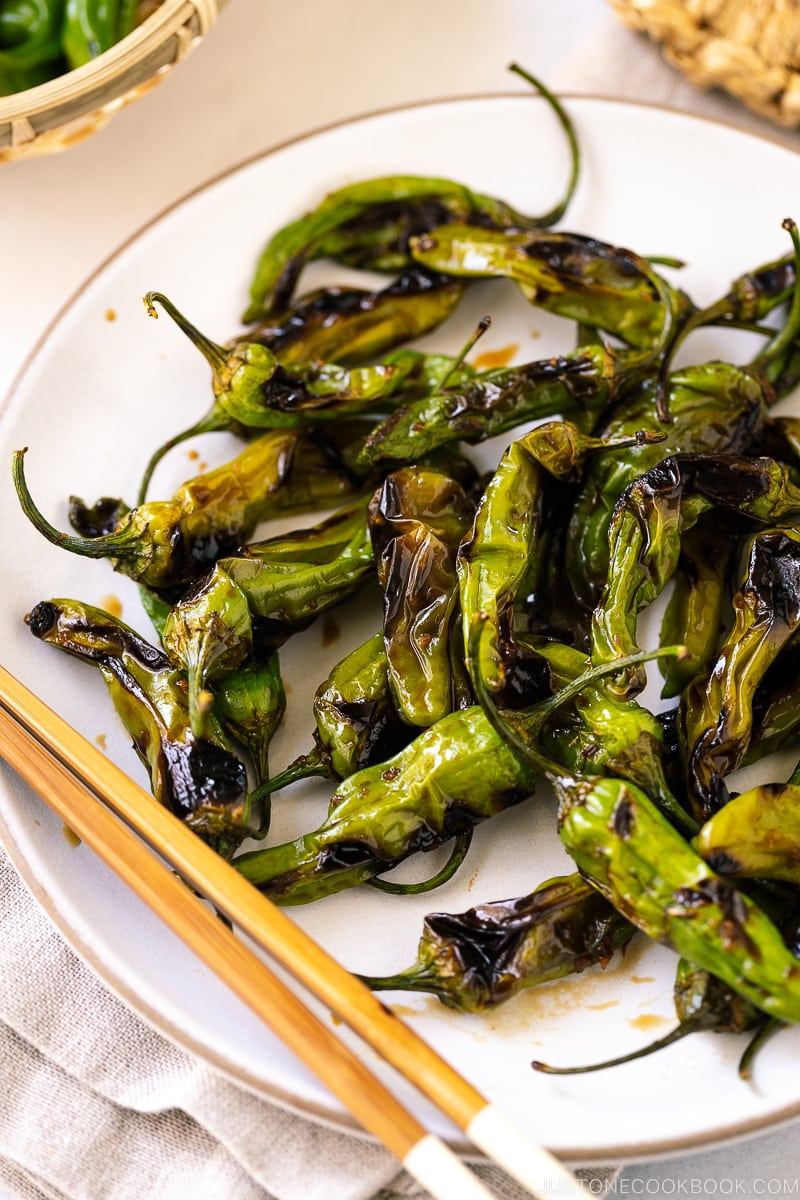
(99, 393)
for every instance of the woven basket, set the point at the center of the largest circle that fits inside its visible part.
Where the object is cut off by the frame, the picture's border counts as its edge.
(61, 112)
(750, 48)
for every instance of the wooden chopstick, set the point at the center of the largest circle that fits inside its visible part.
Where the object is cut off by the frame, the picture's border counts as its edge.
(68, 772)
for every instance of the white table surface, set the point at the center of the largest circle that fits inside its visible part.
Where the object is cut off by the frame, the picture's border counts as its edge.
(267, 72)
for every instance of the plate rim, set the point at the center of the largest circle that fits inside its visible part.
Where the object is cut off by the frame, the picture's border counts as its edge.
(335, 1118)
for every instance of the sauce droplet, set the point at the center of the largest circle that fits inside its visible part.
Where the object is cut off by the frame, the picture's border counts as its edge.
(111, 314)
(112, 604)
(500, 357)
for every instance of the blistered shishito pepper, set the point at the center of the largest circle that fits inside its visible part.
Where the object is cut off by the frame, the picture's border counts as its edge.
(476, 960)
(598, 732)
(696, 611)
(356, 722)
(250, 703)
(756, 834)
(353, 325)
(601, 286)
(623, 845)
(713, 408)
(502, 398)
(454, 775)
(369, 223)
(268, 591)
(417, 520)
(715, 715)
(499, 565)
(167, 543)
(645, 534)
(252, 389)
(200, 780)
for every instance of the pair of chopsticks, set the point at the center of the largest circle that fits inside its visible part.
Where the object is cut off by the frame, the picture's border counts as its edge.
(158, 856)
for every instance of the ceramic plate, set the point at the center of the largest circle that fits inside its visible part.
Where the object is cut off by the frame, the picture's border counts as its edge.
(106, 384)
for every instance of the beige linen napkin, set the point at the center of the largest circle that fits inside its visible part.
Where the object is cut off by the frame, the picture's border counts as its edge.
(95, 1105)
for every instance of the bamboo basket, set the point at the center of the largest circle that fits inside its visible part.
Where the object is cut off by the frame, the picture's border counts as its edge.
(63, 111)
(749, 48)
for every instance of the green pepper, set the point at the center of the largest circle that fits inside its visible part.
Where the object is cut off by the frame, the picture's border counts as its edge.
(200, 780)
(715, 715)
(646, 528)
(250, 703)
(454, 775)
(477, 960)
(417, 520)
(499, 565)
(589, 281)
(30, 43)
(252, 390)
(93, 26)
(164, 544)
(500, 399)
(269, 590)
(354, 325)
(697, 608)
(628, 850)
(369, 223)
(356, 723)
(714, 408)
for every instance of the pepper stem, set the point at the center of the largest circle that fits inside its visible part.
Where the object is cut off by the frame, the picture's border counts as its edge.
(215, 355)
(97, 547)
(307, 766)
(210, 424)
(771, 359)
(536, 717)
(761, 1035)
(461, 845)
(669, 1039)
(558, 210)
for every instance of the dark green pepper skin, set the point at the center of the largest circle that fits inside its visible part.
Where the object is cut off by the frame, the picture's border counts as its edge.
(250, 703)
(501, 399)
(500, 564)
(629, 852)
(417, 520)
(200, 780)
(479, 959)
(92, 26)
(715, 716)
(357, 724)
(452, 776)
(715, 408)
(696, 611)
(646, 528)
(756, 834)
(30, 44)
(354, 325)
(270, 590)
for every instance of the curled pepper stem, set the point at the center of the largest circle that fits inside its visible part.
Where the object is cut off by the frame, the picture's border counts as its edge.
(97, 547)
(307, 766)
(774, 351)
(461, 845)
(558, 210)
(215, 355)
